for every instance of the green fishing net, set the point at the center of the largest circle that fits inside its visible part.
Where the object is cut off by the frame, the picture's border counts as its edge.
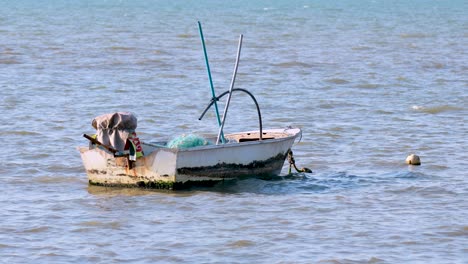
(187, 141)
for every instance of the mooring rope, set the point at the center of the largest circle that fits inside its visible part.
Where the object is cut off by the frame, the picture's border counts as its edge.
(292, 163)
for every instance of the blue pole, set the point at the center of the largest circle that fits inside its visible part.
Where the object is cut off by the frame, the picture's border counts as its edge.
(209, 77)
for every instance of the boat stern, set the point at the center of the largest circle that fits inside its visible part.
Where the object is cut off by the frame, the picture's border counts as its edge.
(156, 170)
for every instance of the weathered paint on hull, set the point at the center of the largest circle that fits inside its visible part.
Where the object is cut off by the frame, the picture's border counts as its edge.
(177, 168)
(103, 169)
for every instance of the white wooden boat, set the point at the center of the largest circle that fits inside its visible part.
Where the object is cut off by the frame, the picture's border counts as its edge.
(244, 155)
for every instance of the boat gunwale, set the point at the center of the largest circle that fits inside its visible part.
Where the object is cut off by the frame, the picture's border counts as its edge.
(287, 136)
(240, 144)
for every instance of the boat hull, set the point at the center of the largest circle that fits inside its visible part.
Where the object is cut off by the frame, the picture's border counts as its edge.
(178, 168)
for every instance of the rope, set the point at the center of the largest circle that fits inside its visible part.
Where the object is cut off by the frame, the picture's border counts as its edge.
(292, 163)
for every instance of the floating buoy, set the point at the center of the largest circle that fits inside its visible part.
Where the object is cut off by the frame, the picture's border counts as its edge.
(413, 159)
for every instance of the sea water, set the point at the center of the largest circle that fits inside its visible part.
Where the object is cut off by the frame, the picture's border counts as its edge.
(368, 81)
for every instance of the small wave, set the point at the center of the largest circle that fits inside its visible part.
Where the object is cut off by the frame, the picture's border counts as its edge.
(458, 232)
(439, 167)
(443, 81)
(337, 81)
(36, 229)
(106, 191)
(329, 135)
(52, 254)
(6, 246)
(122, 48)
(121, 90)
(402, 79)
(432, 191)
(11, 103)
(9, 51)
(83, 230)
(339, 261)
(434, 65)
(409, 175)
(56, 179)
(109, 225)
(368, 86)
(185, 36)
(293, 64)
(9, 61)
(173, 76)
(241, 243)
(161, 52)
(415, 35)
(98, 88)
(314, 187)
(417, 107)
(19, 133)
(361, 48)
(383, 112)
(153, 62)
(436, 109)
(281, 119)
(92, 223)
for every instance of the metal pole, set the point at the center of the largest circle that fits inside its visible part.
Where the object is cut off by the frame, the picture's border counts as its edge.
(230, 90)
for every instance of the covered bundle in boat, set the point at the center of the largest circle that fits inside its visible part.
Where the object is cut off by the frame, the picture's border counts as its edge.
(117, 130)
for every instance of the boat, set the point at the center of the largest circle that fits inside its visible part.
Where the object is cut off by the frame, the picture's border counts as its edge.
(243, 155)
(115, 156)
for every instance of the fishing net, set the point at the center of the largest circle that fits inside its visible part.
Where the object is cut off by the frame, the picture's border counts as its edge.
(187, 141)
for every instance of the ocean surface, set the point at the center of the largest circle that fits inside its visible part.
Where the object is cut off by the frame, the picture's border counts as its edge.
(368, 81)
